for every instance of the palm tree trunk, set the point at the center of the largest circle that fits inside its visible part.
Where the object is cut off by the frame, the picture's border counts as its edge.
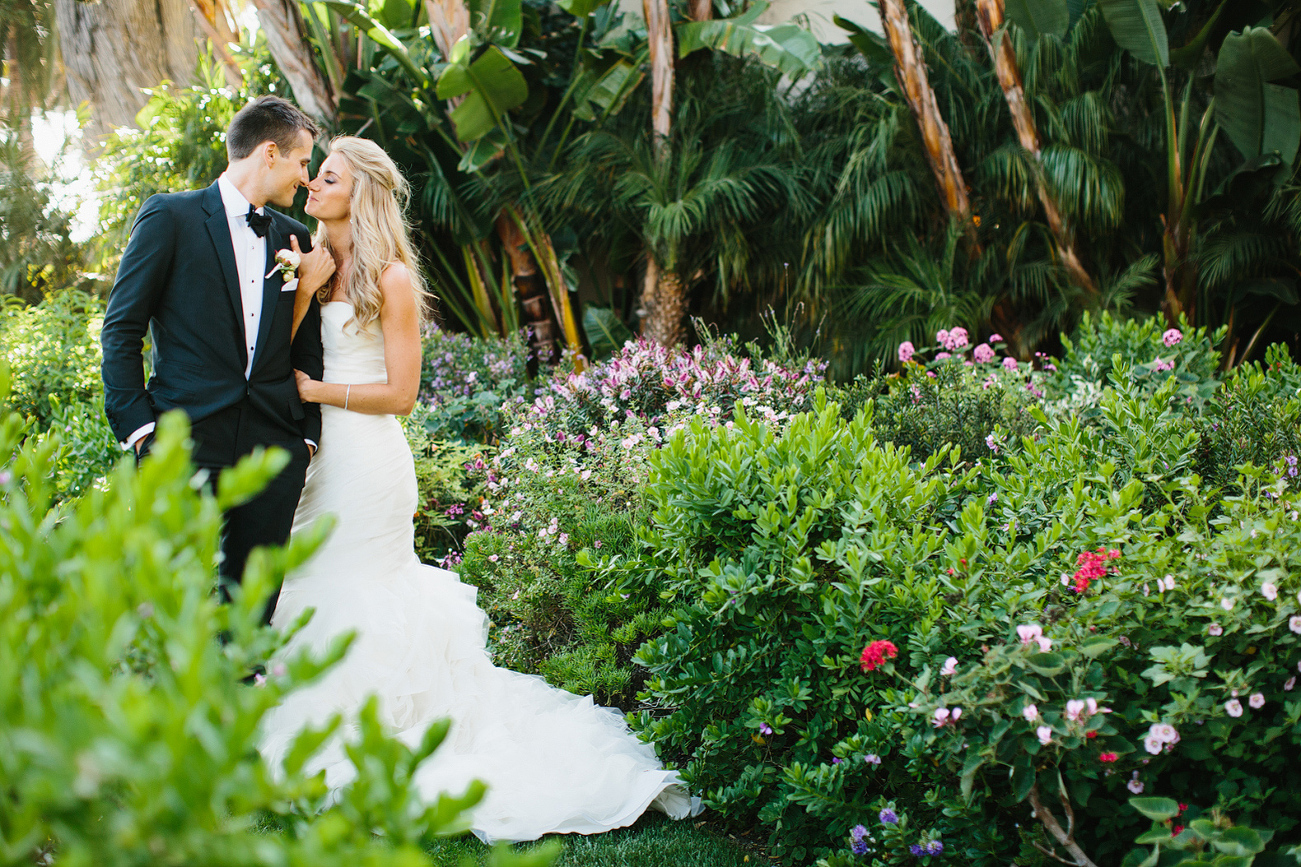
(990, 16)
(700, 10)
(286, 34)
(530, 289)
(112, 51)
(910, 69)
(214, 19)
(663, 293)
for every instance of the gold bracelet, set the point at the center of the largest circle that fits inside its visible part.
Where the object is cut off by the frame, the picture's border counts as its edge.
(347, 394)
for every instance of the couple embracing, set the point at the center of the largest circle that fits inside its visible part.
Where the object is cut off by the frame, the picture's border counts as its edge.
(319, 363)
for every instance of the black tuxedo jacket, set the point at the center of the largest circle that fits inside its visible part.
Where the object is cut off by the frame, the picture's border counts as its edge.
(178, 280)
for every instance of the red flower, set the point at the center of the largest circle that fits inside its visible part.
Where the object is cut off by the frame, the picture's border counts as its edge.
(1090, 734)
(878, 652)
(1107, 757)
(1093, 565)
(1176, 829)
(1183, 807)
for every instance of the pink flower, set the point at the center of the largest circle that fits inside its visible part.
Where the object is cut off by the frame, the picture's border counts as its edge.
(957, 338)
(1257, 700)
(1107, 757)
(1029, 632)
(1045, 643)
(1171, 337)
(1009, 363)
(982, 354)
(1135, 785)
(1233, 707)
(1044, 733)
(995, 338)
(1152, 744)
(940, 356)
(1269, 591)
(493, 558)
(906, 351)
(942, 337)
(1289, 683)
(950, 666)
(1215, 629)
(1158, 364)
(1164, 733)
(1294, 623)
(876, 653)
(941, 717)
(1030, 712)
(1075, 710)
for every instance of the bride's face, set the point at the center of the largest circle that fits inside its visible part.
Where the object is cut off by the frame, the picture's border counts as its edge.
(329, 193)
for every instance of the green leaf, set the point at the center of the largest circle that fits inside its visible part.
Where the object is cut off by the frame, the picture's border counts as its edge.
(608, 92)
(492, 86)
(1098, 646)
(1038, 17)
(605, 330)
(969, 769)
(1047, 664)
(1155, 834)
(381, 35)
(581, 8)
(1156, 809)
(1259, 117)
(786, 47)
(500, 21)
(1137, 27)
(1239, 841)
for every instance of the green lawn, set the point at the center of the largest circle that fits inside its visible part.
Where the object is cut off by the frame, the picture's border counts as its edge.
(653, 842)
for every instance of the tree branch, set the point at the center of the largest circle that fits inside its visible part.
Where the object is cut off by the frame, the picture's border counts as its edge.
(1063, 838)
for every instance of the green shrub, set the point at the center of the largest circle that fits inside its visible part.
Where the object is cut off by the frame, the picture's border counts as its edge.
(449, 496)
(126, 735)
(53, 352)
(783, 552)
(466, 381)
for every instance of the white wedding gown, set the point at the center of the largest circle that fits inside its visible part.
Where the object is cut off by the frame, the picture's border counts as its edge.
(554, 763)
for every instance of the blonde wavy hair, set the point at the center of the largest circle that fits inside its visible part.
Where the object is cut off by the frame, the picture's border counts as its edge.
(380, 235)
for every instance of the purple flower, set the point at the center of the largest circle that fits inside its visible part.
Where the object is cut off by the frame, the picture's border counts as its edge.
(859, 836)
(935, 848)
(835, 760)
(917, 850)
(888, 817)
(765, 729)
(872, 759)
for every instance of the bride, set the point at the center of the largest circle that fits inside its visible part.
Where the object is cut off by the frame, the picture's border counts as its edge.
(554, 763)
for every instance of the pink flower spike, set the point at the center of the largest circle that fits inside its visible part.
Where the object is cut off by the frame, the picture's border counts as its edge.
(1172, 336)
(906, 351)
(982, 354)
(995, 338)
(1009, 363)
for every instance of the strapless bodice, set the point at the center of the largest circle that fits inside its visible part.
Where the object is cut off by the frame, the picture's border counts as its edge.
(353, 355)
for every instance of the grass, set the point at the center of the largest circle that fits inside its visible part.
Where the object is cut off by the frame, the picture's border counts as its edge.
(653, 842)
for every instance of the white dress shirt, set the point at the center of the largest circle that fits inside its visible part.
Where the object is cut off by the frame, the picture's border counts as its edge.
(250, 259)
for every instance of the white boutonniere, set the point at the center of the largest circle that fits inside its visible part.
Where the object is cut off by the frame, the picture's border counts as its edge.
(287, 262)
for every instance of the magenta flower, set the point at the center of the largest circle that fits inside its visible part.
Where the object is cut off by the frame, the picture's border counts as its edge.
(1171, 337)
(765, 729)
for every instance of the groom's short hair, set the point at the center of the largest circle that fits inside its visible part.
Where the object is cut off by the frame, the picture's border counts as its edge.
(267, 118)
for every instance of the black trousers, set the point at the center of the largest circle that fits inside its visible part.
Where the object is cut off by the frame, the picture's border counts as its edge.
(220, 440)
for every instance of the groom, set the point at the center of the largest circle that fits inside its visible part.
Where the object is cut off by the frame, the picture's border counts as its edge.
(194, 275)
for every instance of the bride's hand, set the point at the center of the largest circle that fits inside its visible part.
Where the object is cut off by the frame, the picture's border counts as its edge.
(306, 387)
(314, 268)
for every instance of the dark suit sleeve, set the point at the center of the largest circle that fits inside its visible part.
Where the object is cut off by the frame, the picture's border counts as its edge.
(307, 354)
(141, 277)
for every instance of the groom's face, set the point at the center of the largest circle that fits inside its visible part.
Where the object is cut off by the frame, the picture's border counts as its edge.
(287, 171)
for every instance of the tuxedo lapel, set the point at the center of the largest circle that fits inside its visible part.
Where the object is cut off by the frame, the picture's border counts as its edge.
(219, 231)
(271, 287)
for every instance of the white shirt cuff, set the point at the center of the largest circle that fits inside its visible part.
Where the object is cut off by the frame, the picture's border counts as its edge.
(312, 443)
(138, 435)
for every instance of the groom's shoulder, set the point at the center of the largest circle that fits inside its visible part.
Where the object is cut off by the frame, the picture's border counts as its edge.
(289, 224)
(175, 204)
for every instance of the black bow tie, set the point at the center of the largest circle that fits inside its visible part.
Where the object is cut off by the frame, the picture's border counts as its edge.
(259, 223)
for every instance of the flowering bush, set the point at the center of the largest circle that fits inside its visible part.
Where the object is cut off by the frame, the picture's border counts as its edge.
(1075, 608)
(465, 381)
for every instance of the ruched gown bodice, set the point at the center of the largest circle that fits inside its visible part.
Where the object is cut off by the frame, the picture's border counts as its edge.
(554, 762)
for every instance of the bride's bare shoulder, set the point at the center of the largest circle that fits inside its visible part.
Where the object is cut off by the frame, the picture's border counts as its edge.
(396, 287)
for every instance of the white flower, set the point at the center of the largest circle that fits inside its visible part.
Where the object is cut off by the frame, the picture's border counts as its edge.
(287, 262)
(1294, 623)
(1233, 707)
(1226, 603)
(1164, 733)
(1030, 712)
(1152, 744)
(1045, 643)
(1135, 785)
(951, 665)
(941, 716)
(1029, 632)
(1166, 583)
(1044, 733)
(1257, 700)
(1091, 705)
(1074, 710)
(1269, 591)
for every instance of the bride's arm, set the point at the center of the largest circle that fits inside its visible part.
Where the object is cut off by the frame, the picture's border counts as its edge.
(400, 319)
